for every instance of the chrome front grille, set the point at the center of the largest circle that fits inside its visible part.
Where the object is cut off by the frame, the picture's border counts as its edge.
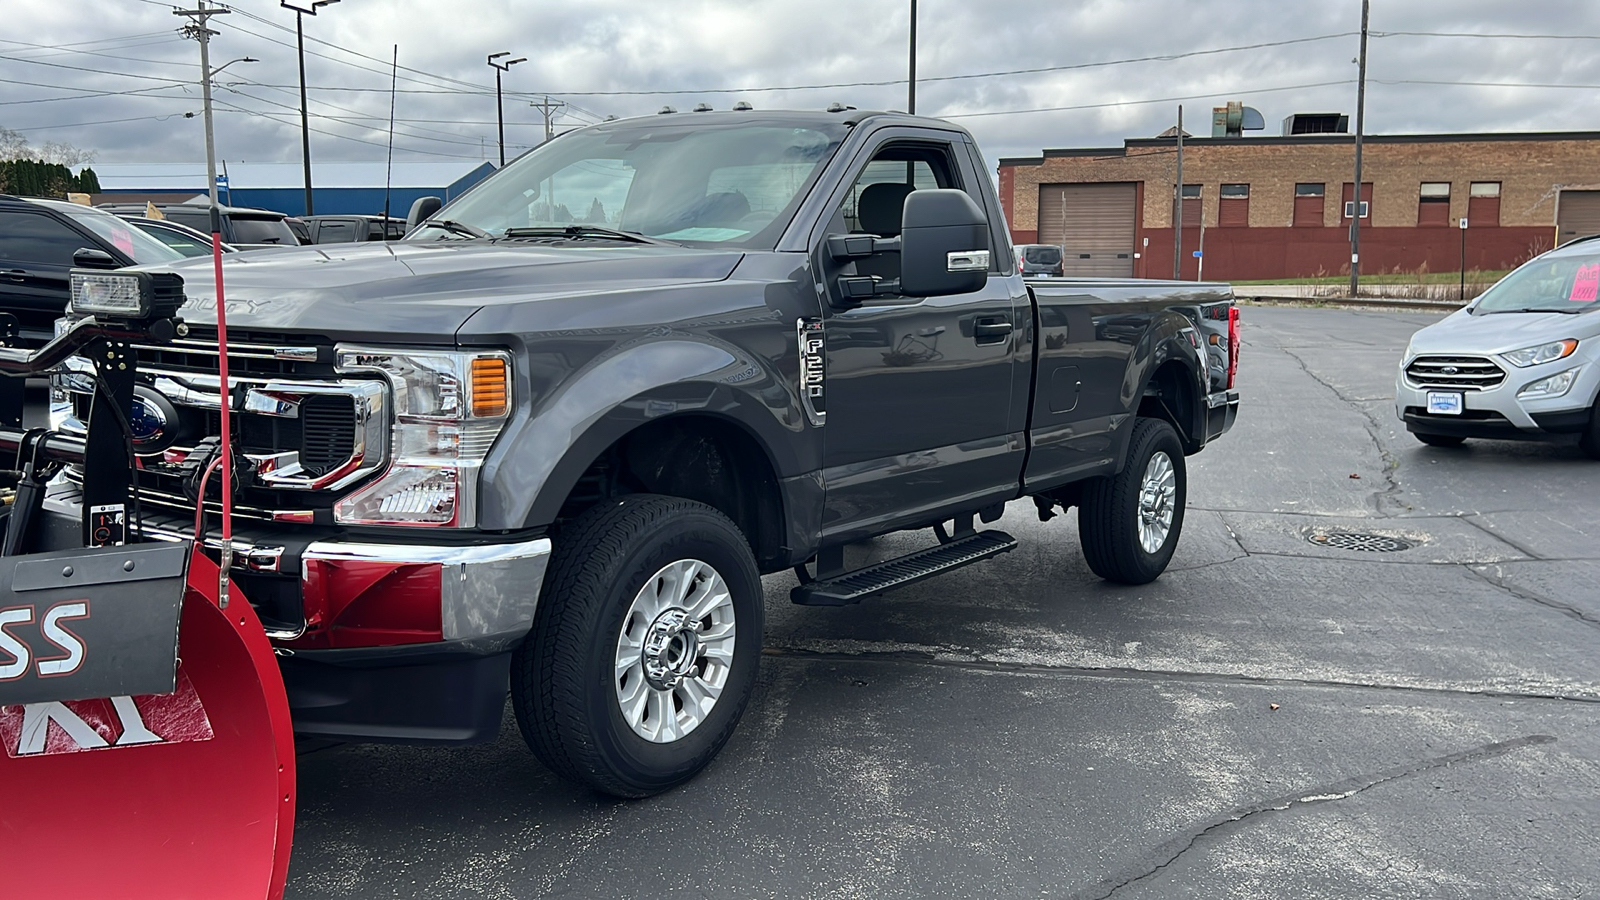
(303, 426)
(1460, 373)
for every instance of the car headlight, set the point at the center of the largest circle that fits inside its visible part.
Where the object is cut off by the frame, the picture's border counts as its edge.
(1553, 386)
(1533, 356)
(448, 410)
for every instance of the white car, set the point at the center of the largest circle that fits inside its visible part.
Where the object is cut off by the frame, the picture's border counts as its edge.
(1522, 361)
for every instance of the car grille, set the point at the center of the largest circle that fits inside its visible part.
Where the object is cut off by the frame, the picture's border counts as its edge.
(1461, 373)
(310, 432)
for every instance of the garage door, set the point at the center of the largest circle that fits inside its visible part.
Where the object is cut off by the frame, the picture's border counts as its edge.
(1579, 214)
(1093, 223)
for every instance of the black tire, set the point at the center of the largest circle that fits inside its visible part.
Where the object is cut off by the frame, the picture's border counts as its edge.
(1439, 440)
(1589, 442)
(1109, 512)
(563, 684)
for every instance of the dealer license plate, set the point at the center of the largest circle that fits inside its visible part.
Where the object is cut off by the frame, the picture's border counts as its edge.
(1444, 403)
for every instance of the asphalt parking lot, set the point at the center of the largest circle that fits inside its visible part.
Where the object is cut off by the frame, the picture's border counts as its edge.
(1275, 717)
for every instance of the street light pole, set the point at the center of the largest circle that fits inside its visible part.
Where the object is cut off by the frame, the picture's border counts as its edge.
(499, 106)
(305, 126)
(911, 95)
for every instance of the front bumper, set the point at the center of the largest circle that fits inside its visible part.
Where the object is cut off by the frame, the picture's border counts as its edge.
(1498, 413)
(376, 641)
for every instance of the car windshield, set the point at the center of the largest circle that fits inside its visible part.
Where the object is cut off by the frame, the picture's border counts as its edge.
(1044, 256)
(703, 183)
(122, 235)
(1566, 284)
(186, 244)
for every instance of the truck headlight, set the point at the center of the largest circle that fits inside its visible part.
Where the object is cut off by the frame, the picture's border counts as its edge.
(1554, 386)
(448, 409)
(1533, 356)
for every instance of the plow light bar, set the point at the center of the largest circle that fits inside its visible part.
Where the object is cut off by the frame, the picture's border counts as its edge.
(129, 296)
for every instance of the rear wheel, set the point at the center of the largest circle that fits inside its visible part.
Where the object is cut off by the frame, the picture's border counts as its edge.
(1129, 523)
(1439, 440)
(644, 647)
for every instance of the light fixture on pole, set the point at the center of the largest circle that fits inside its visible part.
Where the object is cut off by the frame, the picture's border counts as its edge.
(499, 109)
(305, 127)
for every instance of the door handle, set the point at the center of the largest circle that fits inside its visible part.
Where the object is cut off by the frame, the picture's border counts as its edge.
(991, 330)
(14, 274)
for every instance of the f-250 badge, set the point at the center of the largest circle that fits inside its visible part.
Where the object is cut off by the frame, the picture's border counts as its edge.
(813, 372)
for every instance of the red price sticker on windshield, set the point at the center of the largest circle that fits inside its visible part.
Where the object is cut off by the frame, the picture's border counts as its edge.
(1586, 284)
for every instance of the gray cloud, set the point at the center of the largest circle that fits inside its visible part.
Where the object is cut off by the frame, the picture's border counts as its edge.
(446, 106)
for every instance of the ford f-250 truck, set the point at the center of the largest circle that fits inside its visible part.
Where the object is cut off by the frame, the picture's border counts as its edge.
(552, 440)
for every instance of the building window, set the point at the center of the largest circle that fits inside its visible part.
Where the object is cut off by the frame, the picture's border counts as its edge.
(1347, 198)
(1433, 203)
(1233, 206)
(1191, 206)
(1483, 204)
(1308, 204)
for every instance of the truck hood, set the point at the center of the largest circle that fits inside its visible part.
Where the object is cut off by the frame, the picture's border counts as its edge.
(1490, 334)
(423, 291)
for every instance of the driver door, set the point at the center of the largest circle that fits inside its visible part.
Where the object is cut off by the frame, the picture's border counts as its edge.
(919, 389)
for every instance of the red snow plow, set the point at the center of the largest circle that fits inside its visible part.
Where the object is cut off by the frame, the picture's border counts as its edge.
(145, 744)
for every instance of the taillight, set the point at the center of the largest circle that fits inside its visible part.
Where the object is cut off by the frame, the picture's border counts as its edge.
(1233, 344)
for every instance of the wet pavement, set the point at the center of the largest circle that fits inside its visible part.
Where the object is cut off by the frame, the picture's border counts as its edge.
(1275, 717)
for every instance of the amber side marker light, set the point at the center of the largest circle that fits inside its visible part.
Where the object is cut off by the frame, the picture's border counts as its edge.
(490, 392)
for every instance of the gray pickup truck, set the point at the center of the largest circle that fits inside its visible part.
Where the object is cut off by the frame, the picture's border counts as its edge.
(552, 440)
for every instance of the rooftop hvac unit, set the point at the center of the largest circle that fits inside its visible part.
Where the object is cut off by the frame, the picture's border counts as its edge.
(1316, 123)
(1235, 119)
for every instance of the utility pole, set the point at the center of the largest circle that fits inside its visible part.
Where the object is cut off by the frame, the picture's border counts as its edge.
(911, 94)
(1361, 110)
(1177, 207)
(305, 126)
(499, 105)
(548, 110)
(201, 32)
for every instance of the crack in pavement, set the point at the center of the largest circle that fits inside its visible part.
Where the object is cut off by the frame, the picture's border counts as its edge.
(1388, 462)
(928, 658)
(1470, 519)
(1172, 850)
(1498, 580)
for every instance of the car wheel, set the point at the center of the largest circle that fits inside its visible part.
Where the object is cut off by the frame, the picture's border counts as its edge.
(1589, 443)
(1439, 440)
(1129, 523)
(644, 645)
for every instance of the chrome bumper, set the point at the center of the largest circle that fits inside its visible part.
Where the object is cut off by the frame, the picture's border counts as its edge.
(486, 590)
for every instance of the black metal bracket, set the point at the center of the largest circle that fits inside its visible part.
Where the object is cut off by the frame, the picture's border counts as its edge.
(856, 246)
(108, 473)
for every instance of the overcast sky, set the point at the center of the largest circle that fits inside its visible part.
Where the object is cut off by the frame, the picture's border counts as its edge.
(65, 64)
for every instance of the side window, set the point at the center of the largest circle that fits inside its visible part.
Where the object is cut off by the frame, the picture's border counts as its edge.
(876, 199)
(38, 239)
(198, 218)
(335, 231)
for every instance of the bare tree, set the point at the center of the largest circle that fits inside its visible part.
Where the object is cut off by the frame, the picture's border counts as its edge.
(65, 154)
(13, 145)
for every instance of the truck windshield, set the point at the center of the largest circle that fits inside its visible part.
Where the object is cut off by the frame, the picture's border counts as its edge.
(1565, 284)
(700, 183)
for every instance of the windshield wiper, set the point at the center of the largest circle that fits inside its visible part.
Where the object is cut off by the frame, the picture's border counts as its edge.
(455, 227)
(1564, 310)
(581, 231)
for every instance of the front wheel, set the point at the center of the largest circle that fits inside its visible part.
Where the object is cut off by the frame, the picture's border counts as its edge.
(1589, 443)
(644, 646)
(1129, 522)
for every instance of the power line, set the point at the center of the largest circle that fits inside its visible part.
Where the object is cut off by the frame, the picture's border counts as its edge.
(268, 116)
(1475, 34)
(104, 122)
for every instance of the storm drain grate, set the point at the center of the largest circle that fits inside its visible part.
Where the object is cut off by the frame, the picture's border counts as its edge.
(1355, 540)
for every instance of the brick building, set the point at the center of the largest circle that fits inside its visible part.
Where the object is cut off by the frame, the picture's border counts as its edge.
(1277, 207)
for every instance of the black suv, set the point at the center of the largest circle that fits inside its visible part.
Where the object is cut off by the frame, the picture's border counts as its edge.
(1039, 259)
(347, 229)
(243, 227)
(38, 242)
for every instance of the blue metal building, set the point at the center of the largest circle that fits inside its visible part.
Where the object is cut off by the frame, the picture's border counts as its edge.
(337, 187)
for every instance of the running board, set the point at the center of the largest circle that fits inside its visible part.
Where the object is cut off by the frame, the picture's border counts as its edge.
(853, 587)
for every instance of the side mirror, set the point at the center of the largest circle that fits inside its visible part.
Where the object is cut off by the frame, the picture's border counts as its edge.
(90, 258)
(944, 244)
(421, 209)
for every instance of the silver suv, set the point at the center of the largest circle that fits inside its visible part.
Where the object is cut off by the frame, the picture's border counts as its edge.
(1522, 361)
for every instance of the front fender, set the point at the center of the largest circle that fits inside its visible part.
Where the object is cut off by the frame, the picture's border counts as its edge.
(540, 457)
